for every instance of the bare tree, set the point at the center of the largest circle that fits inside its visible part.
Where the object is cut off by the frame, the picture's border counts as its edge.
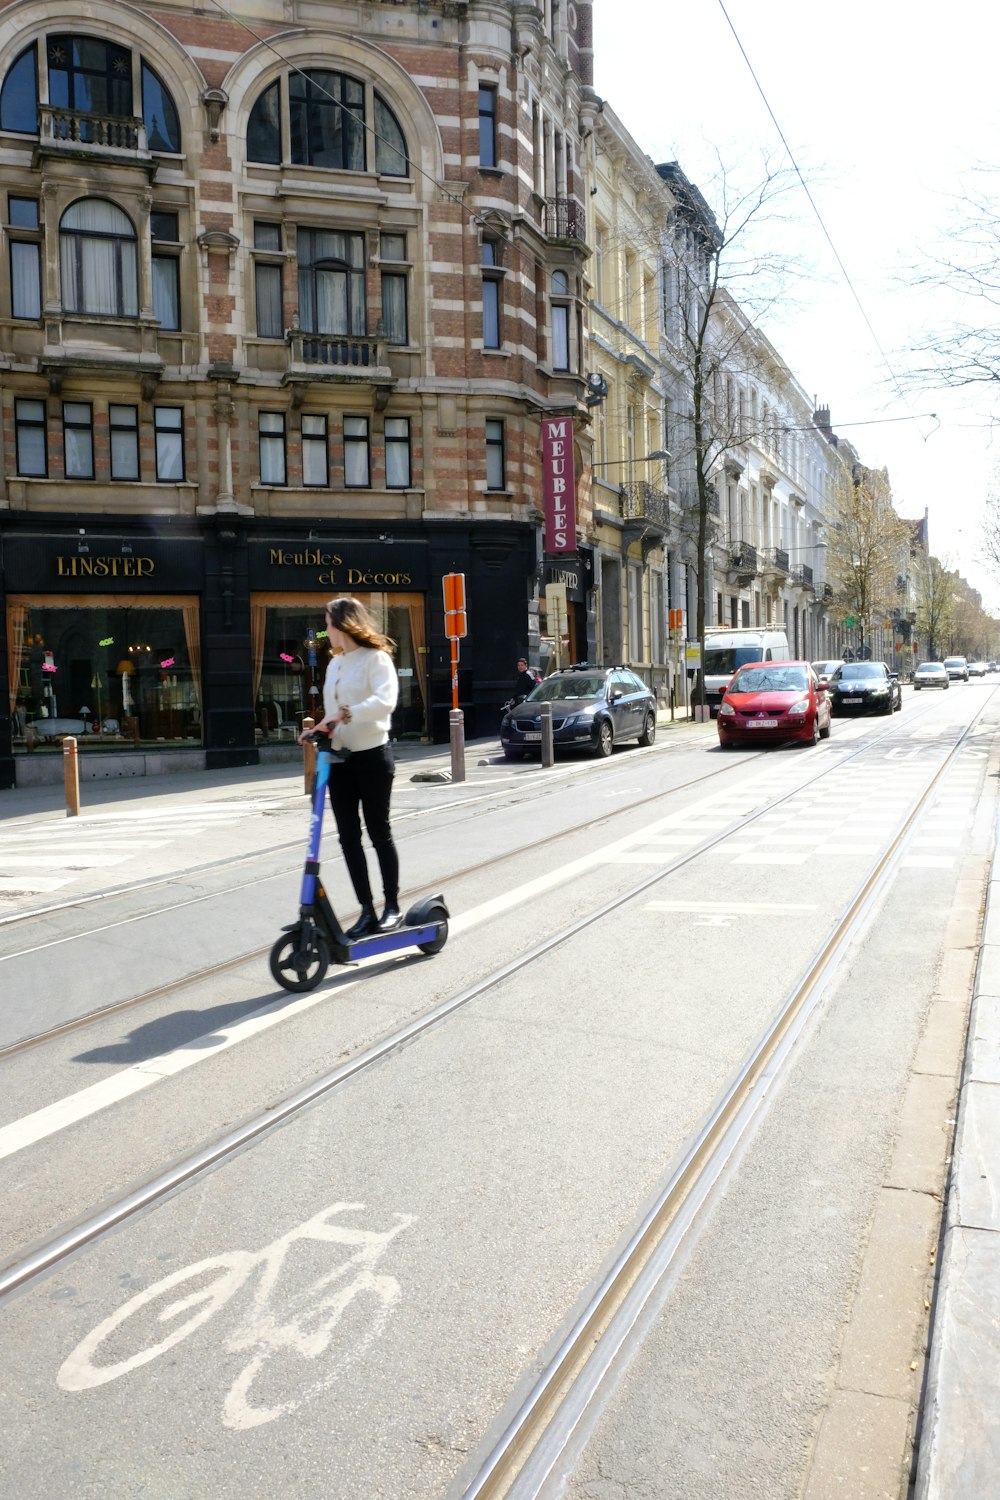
(935, 600)
(965, 351)
(722, 275)
(866, 545)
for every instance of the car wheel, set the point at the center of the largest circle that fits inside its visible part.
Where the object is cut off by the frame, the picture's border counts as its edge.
(648, 734)
(815, 734)
(824, 734)
(605, 739)
(513, 755)
(916, 687)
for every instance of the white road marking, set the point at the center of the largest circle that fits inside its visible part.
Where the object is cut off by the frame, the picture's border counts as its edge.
(771, 859)
(928, 862)
(748, 908)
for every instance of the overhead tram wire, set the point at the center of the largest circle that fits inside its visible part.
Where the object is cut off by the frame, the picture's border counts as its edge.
(476, 218)
(813, 206)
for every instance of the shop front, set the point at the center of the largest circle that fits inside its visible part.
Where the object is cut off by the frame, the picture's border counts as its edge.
(290, 585)
(103, 642)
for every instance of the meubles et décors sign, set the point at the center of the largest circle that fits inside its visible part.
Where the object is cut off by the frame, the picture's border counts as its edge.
(558, 484)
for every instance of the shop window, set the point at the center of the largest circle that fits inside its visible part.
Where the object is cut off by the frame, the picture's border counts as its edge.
(164, 233)
(97, 255)
(331, 270)
(560, 320)
(492, 294)
(397, 453)
(315, 460)
(357, 465)
(290, 659)
(25, 247)
(325, 125)
(123, 422)
(271, 432)
(496, 463)
(78, 439)
(29, 430)
(168, 426)
(487, 125)
(113, 676)
(395, 312)
(19, 94)
(268, 281)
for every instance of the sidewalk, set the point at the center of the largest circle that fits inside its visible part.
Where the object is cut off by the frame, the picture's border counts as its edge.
(411, 756)
(959, 1450)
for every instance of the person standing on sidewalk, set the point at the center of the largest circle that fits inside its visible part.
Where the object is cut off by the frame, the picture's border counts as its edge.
(359, 695)
(524, 680)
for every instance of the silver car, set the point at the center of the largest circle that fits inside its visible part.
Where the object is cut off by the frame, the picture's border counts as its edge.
(930, 674)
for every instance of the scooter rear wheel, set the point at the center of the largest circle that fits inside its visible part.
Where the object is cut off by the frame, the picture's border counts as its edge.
(436, 944)
(299, 966)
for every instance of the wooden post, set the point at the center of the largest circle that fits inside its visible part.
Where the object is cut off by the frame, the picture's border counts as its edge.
(309, 759)
(71, 776)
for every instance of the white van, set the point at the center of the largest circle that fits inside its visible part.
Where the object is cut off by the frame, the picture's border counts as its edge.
(726, 649)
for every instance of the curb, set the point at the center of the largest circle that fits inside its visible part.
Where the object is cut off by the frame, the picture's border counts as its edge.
(959, 1445)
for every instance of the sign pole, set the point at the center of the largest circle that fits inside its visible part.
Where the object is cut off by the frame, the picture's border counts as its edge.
(455, 627)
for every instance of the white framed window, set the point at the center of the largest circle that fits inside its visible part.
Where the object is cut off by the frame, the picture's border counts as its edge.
(271, 434)
(164, 233)
(78, 439)
(496, 460)
(315, 454)
(559, 287)
(397, 453)
(492, 294)
(123, 424)
(487, 125)
(29, 432)
(268, 281)
(168, 426)
(357, 459)
(395, 288)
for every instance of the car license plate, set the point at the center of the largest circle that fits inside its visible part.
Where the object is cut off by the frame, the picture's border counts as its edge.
(532, 734)
(851, 700)
(762, 723)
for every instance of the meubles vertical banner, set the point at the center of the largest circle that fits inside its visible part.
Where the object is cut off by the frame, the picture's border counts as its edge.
(558, 484)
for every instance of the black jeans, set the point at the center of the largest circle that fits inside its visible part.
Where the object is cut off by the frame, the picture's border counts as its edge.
(363, 783)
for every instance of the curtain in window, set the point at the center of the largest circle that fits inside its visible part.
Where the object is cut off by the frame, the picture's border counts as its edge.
(394, 307)
(26, 279)
(270, 319)
(192, 639)
(98, 259)
(17, 614)
(331, 303)
(258, 629)
(166, 290)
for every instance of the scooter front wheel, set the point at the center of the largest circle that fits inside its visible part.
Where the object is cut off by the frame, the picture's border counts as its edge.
(299, 963)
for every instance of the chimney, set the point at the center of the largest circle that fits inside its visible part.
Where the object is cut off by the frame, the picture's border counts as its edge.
(821, 417)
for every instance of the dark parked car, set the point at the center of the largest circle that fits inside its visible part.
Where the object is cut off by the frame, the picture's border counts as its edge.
(865, 687)
(593, 708)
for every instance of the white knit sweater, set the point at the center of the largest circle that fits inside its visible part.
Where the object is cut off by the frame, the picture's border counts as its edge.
(364, 681)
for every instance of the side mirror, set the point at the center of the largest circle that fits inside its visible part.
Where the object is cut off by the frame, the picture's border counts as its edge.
(820, 687)
(614, 695)
(894, 676)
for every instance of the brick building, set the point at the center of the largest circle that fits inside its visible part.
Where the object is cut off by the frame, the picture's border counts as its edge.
(282, 305)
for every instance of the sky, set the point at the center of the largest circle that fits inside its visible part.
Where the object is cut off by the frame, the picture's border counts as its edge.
(888, 109)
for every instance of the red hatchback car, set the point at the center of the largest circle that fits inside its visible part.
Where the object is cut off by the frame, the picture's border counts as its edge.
(774, 700)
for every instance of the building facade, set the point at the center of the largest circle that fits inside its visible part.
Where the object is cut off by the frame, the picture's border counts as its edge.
(283, 305)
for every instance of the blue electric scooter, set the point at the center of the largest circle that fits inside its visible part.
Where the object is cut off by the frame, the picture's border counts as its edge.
(301, 956)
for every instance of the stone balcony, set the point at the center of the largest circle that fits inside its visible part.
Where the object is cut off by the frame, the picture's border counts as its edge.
(78, 132)
(338, 358)
(773, 565)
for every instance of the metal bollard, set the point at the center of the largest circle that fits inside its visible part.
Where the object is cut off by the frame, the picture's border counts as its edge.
(71, 776)
(309, 759)
(545, 721)
(456, 730)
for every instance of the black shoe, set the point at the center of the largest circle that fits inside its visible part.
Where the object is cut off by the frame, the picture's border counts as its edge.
(366, 924)
(392, 918)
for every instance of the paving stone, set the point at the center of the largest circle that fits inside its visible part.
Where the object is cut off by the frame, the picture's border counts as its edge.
(861, 1448)
(975, 1197)
(942, 1046)
(984, 1050)
(919, 1160)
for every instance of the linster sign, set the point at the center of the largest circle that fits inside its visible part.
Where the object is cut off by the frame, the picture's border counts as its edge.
(558, 484)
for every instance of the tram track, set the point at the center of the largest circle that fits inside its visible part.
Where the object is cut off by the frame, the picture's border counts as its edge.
(408, 897)
(703, 1150)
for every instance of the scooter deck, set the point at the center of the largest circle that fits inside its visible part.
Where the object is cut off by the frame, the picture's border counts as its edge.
(392, 942)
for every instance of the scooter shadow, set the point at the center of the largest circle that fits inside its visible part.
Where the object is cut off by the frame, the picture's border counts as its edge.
(205, 1028)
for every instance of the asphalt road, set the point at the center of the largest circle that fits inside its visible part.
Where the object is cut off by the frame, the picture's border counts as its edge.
(355, 1304)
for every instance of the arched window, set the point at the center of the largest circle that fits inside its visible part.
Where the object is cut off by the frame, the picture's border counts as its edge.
(264, 127)
(327, 126)
(159, 113)
(390, 142)
(97, 256)
(19, 94)
(326, 116)
(88, 76)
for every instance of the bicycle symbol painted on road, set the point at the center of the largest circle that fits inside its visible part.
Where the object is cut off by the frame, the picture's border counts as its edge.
(304, 1327)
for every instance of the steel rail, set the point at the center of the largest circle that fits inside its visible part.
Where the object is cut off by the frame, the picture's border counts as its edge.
(537, 1436)
(49, 1253)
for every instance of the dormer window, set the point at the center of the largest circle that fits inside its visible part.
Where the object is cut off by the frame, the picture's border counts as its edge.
(90, 80)
(324, 119)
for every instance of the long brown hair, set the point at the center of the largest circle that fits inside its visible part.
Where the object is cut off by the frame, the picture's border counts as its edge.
(350, 616)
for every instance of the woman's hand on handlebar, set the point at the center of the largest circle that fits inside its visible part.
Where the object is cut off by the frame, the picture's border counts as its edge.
(323, 727)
